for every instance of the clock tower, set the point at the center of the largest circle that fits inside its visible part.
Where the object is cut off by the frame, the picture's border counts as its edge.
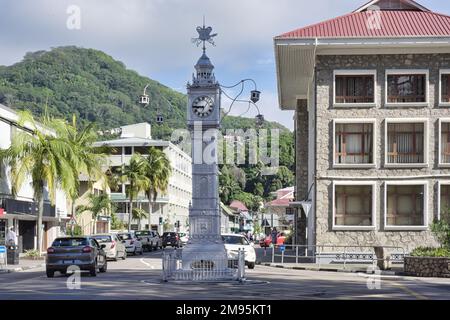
(205, 247)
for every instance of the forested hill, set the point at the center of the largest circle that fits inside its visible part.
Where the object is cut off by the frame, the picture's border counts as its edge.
(95, 87)
(99, 89)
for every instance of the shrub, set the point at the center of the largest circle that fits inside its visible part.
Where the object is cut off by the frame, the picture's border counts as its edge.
(33, 254)
(441, 229)
(430, 252)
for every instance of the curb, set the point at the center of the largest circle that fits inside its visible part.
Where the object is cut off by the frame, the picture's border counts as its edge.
(383, 273)
(19, 269)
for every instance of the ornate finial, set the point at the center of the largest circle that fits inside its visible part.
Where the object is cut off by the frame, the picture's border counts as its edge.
(204, 35)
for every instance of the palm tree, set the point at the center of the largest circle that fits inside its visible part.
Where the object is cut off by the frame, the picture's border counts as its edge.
(97, 204)
(139, 214)
(135, 175)
(158, 171)
(44, 157)
(87, 159)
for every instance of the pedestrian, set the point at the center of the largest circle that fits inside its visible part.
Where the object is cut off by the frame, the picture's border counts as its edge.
(281, 239)
(11, 237)
(274, 236)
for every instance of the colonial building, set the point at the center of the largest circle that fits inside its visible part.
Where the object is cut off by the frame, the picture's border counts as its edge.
(279, 213)
(21, 212)
(371, 95)
(171, 210)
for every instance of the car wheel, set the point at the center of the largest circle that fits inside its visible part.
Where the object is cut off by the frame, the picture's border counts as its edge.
(50, 273)
(63, 272)
(104, 268)
(251, 265)
(93, 271)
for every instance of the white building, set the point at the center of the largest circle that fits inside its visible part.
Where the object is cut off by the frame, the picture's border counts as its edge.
(170, 209)
(21, 212)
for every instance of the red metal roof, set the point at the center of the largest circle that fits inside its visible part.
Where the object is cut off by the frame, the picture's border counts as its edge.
(238, 205)
(393, 23)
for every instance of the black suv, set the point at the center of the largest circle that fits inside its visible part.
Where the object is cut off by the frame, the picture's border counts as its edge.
(171, 239)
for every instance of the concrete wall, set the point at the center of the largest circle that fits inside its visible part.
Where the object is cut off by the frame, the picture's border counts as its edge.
(324, 162)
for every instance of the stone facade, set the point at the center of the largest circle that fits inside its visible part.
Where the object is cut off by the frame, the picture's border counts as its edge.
(427, 267)
(326, 173)
(301, 163)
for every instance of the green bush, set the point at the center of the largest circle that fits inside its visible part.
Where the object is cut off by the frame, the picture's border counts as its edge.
(441, 229)
(430, 252)
(34, 254)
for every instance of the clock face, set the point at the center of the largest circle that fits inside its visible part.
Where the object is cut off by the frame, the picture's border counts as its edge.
(203, 106)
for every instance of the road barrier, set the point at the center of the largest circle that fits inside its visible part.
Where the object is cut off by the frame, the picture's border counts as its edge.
(383, 256)
(202, 269)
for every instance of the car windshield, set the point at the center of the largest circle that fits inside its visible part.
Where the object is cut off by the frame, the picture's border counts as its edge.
(125, 236)
(234, 240)
(142, 233)
(103, 238)
(70, 242)
(169, 234)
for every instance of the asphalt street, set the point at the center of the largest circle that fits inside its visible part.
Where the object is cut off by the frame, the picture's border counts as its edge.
(140, 278)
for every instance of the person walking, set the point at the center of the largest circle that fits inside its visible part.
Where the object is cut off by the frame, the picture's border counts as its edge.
(11, 237)
(274, 235)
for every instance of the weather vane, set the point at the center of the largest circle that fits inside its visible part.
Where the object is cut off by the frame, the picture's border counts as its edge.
(204, 35)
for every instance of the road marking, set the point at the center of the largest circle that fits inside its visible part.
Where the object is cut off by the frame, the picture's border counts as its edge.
(147, 264)
(408, 290)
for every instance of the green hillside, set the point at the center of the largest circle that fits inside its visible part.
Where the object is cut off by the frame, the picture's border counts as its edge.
(99, 89)
(95, 87)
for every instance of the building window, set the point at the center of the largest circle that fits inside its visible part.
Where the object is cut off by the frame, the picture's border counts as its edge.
(445, 87)
(353, 143)
(128, 150)
(445, 143)
(142, 150)
(406, 87)
(353, 205)
(115, 151)
(405, 205)
(354, 87)
(444, 200)
(405, 143)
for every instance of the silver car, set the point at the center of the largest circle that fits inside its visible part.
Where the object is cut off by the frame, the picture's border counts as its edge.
(131, 242)
(114, 249)
(84, 252)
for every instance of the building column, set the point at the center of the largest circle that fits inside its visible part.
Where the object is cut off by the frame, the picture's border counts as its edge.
(301, 166)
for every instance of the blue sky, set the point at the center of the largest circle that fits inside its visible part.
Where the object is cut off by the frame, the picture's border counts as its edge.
(153, 37)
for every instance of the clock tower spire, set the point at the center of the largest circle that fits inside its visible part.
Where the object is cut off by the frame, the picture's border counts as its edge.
(205, 247)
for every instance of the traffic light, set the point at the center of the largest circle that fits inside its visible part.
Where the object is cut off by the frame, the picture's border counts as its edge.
(160, 220)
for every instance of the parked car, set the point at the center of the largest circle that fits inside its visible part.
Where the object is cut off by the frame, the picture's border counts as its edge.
(265, 242)
(234, 242)
(84, 252)
(184, 238)
(131, 242)
(171, 239)
(114, 249)
(150, 239)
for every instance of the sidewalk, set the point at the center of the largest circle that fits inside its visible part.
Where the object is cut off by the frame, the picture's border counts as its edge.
(24, 264)
(349, 268)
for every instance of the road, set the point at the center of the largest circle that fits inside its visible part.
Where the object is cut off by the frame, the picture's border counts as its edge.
(140, 278)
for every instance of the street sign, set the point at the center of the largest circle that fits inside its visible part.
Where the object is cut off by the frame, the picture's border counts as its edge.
(3, 257)
(72, 221)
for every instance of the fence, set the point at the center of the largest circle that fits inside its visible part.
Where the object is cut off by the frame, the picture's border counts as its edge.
(203, 269)
(333, 254)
